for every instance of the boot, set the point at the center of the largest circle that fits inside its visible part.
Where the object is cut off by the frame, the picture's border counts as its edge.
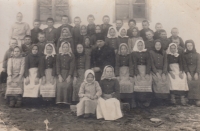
(198, 103)
(173, 100)
(12, 102)
(183, 101)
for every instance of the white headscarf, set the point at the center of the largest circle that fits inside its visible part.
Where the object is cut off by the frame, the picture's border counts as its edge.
(104, 75)
(122, 28)
(169, 52)
(116, 34)
(120, 46)
(61, 51)
(53, 52)
(87, 72)
(135, 48)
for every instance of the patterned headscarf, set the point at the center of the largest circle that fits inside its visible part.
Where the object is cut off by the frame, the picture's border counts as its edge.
(120, 46)
(105, 76)
(116, 32)
(135, 48)
(53, 52)
(69, 51)
(68, 31)
(169, 52)
(87, 72)
(122, 28)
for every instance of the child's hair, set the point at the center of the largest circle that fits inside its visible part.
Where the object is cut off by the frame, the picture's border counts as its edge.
(97, 26)
(158, 24)
(13, 39)
(119, 20)
(149, 31)
(145, 21)
(90, 16)
(27, 36)
(41, 33)
(18, 48)
(162, 31)
(36, 20)
(132, 20)
(77, 17)
(105, 17)
(50, 19)
(174, 29)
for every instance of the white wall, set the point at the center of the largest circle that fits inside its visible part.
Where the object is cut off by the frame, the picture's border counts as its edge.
(183, 14)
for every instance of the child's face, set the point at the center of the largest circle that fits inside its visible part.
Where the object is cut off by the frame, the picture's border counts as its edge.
(19, 17)
(158, 45)
(87, 42)
(77, 21)
(158, 27)
(35, 50)
(27, 40)
(106, 20)
(13, 43)
(79, 48)
(123, 50)
(65, 20)
(50, 24)
(41, 38)
(189, 46)
(91, 20)
(65, 48)
(109, 72)
(98, 29)
(123, 32)
(36, 25)
(49, 49)
(163, 35)
(100, 43)
(90, 78)
(16, 52)
(149, 35)
(176, 41)
(83, 29)
(112, 32)
(131, 24)
(174, 32)
(119, 23)
(145, 25)
(173, 49)
(135, 32)
(65, 33)
(140, 46)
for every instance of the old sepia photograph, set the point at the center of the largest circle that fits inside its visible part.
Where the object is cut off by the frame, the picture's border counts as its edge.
(99, 65)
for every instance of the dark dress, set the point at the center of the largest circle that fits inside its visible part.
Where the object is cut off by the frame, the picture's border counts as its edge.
(76, 35)
(34, 35)
(101, 58)
(113, 43)
(91, 29)
(104, 29)
(123, 40)
(149, 45)
(50, 35)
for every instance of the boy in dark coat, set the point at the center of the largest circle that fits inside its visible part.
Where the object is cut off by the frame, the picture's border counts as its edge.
(35, 31)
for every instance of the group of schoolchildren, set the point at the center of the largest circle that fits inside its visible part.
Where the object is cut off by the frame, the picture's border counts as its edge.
(100, 66)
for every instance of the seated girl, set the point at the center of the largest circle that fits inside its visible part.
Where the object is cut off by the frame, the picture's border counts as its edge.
(142, 77)
(124, 74)
(178, 81)
(122, 36)
(48, 86)
(109, 105)
(64, 70)
(89, 92)
(134, 37)
(15, 72)
(32, 73)
(82, 63)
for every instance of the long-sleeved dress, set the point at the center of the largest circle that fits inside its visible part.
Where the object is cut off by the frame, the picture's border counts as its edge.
(14, 82)
(109, 109)
(149, 45)
(49, 71)
(123, 40)
(50, 34)
(159, 65)
(113, 43)
(192, 65)
(64, 67)
(175, 65)
(82, 63)
(87, 105)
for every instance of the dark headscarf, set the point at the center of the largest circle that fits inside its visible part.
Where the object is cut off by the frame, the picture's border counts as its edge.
(138, 32)
(99, 27)
(77, 55)
(190, 51)
(32, 49)
(87, 37)
(161, 49)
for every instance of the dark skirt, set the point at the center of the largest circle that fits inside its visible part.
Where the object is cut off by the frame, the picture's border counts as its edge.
(64, 89)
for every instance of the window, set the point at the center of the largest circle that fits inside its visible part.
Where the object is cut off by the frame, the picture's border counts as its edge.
(131, 9)
(52, 8)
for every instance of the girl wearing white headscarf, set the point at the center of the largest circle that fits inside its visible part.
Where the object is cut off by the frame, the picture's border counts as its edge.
(178, 79)
(124, 73)
(48, 86)
(122, 36)
(112, 38)
(142, 77)
(89, 92)
(108, 105)
(64, 70)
